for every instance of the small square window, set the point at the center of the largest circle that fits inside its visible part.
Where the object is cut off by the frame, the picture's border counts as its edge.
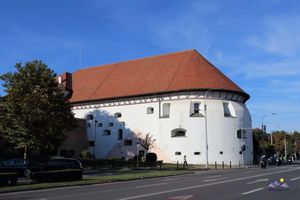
(221, 152)
(122, 123)
(110, 124)
(106, 132)
(88, 125)
(100, 125)
(150, 110)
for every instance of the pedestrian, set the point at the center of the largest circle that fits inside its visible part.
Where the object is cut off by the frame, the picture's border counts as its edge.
(185, 164)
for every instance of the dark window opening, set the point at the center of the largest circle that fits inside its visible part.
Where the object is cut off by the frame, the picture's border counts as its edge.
(240, 134)
(118, 115)
(89, 117)
(106, 132)
(88, 125)
(221, 152)
(127, 142)
(110, 124)
(178, 132)
(91, 143)
(195, 110)
(177, 153)
(197, 153)
(100, 124)
(150, 110)
(120, 134)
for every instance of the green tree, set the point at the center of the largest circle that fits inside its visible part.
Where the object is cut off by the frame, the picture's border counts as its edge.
(35, 113)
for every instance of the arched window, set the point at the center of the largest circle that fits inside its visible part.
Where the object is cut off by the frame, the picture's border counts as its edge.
(118, 115)
(178, 132)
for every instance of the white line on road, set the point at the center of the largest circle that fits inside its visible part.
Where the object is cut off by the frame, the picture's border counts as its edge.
(150, 185)
(205, 185)
(213, 179)
(213, 176)
(170, 179)
(251, 191)
(258, 180)
(295, 178)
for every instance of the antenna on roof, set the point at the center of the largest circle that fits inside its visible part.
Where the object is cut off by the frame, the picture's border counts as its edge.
(80, 55)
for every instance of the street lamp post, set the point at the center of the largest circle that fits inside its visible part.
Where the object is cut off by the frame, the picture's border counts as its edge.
(264, 130)
(205, 118)
(95, 137)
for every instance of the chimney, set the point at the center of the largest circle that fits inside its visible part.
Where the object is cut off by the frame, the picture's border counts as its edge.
(65, 83)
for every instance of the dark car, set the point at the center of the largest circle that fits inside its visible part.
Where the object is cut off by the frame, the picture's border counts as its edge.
(20, 166)
(61, 163)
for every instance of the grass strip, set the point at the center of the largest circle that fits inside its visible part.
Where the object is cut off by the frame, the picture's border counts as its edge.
(92, 180)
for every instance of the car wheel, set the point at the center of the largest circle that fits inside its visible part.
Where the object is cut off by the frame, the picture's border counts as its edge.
(27, 173)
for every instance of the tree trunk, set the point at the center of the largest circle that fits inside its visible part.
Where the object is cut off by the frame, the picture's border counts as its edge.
(25, 153)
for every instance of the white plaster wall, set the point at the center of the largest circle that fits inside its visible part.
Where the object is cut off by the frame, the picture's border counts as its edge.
(222, 131)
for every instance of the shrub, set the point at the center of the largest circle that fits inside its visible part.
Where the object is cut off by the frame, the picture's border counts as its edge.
(151, 158)
(6, 178)
(59, 175)
(86, 154)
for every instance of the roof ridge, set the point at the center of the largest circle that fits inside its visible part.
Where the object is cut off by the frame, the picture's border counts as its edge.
(103, 81)
(177, 70)
(137, 59)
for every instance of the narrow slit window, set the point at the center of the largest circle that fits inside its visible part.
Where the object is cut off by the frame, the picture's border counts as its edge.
(120, 134)
(177, 153)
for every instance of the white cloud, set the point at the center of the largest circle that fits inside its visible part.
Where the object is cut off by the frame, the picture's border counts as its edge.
(280, 35)
(188, 27)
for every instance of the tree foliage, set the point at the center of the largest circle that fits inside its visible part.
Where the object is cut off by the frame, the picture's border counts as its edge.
(35, 113)
(147, 142)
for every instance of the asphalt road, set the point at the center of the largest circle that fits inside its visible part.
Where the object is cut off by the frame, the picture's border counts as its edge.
(209, 185)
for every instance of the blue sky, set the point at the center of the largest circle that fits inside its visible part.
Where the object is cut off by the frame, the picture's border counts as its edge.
(255, 43)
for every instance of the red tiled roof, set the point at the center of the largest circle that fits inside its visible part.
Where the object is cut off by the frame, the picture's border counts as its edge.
(180, 71)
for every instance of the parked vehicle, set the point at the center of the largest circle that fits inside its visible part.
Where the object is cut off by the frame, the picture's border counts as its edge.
(61, 163)
(26, 167)
(19, 166)
(278, 161)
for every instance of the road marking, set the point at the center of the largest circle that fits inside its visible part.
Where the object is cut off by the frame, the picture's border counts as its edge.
(214, 179)
(205, 185)
(251, 191)
(213, 176)
(185, 197)
(259, 180)
(150, 185)
(170, 179)
(295, 178)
